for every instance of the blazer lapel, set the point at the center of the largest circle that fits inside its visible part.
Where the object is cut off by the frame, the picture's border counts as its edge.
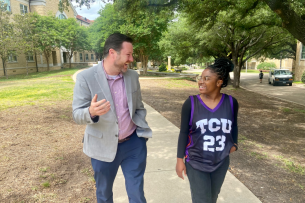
(104, 86)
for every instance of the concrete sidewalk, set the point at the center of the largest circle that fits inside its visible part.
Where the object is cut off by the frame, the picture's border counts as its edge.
(162, 185)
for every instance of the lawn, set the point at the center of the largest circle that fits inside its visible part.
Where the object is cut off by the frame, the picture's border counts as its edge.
(36, 88)
(41, 157)
(249, 71)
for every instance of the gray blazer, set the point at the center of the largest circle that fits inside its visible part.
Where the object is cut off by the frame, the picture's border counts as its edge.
(101, 134)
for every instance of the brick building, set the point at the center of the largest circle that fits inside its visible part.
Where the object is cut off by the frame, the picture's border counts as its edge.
(16, 63)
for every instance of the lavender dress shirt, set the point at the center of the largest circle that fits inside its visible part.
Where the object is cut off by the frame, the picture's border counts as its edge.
(118, 92)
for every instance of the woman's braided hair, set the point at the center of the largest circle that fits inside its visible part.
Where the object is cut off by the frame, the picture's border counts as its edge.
(222, 67)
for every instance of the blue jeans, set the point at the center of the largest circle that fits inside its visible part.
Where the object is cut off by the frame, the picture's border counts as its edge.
(131, 156)
(205, 186)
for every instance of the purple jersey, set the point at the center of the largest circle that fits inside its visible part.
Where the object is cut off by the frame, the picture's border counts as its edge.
(210, 138)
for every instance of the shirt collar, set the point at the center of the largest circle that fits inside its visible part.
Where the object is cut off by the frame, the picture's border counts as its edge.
(120, 75)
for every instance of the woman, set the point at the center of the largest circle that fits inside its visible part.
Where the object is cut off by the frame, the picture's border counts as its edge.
(208, 133)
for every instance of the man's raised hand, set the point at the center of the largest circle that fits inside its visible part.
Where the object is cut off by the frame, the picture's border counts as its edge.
(98, 108)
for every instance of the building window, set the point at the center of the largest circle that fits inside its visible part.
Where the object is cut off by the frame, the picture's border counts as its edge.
(87, 57)
(8, 5)
(30, 57)
(303, 52)
(80, 56)
(12, 57)
(92, 57)
(62, 16)
(23, 9)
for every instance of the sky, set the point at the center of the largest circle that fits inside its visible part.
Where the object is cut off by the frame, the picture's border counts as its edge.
(91, 13)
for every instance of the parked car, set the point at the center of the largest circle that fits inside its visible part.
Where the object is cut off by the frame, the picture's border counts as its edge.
(280, 76)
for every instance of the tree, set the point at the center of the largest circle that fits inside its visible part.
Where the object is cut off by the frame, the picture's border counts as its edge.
(107, 23)
(24, 30)
(242, 30)
(74, 37)
(292, 15)
(291, 12)
(7, 40)
(180, 42)
(145, 29)
(47, 35)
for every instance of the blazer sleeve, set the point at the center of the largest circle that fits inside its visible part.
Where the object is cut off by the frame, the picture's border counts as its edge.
(81, 102)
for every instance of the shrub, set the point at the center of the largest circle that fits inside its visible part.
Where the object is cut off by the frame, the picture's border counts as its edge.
(162, 68)
(303, 77)
(266, 66)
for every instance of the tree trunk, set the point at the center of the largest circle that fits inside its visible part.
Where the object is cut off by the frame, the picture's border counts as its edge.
(144, 64)
(236, 80)
(70, 57)
(47, 58)
(4, 66)
(36, 62)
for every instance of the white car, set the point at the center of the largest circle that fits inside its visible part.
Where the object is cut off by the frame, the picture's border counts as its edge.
(280, 76)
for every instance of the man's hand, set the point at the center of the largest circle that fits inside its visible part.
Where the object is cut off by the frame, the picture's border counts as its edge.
(180, 168)
(98, 108)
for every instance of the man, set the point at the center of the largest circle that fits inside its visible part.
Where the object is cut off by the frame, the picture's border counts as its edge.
(261, 75)
(107, 98)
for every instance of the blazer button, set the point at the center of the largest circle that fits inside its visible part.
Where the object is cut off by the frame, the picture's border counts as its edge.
(116, 135)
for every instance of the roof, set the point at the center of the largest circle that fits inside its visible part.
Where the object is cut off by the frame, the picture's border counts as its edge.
(84, 19)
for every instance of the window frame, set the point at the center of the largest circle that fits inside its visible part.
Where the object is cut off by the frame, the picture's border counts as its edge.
(87, 57)
(30, 58)
(8, 4)
(22, 9)
(60, 18)
(12, 57)
(92, 57)
(302, 52)
(80, 56)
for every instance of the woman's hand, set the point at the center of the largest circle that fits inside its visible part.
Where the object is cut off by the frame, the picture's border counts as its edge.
(180, 168)
(233, 149)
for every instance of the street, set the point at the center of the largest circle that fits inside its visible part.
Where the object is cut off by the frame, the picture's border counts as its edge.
(294, 93)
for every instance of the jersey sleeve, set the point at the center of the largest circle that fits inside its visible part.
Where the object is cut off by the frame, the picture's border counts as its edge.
(184, 128)
(234, 127)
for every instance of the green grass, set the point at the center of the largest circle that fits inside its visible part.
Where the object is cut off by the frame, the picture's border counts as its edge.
(299, 110)
(249, 71)
(46, 184)
(179, 83)
(39, 88)
(54, 73)
(291, 166)
(286, 110)
(298, 82)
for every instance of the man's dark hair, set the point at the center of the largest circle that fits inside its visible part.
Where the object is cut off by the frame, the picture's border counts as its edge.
(115, 42)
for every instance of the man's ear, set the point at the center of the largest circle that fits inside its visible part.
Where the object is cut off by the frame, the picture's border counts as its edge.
(111, 52)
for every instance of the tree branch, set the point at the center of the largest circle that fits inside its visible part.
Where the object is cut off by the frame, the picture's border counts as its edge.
(290, 19)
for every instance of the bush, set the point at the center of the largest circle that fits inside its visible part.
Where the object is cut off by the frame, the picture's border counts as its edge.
(162, 68)
(266, 66)
(303, 77)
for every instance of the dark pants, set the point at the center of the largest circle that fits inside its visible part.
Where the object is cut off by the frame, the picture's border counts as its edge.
(205, 187)
(131, 156)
